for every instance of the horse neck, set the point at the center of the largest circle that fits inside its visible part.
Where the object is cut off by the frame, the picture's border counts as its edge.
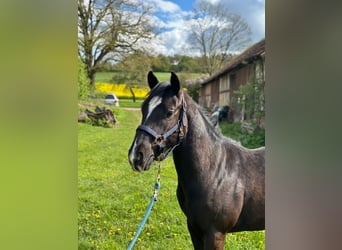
(200, 128)
(199, 145)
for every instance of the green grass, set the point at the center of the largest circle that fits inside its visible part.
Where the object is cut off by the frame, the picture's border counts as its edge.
(162, 76)
(128, 103)
(113, 198)
(104, 76)
(124, 103)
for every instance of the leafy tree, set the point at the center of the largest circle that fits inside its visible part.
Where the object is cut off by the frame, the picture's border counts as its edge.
(133, 70)
(161, 63)
(108, 29)
(83, 81)
(177, 63)
(188, 64)
(217, 33)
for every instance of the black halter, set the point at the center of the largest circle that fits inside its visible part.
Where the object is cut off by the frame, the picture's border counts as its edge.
(158, 139)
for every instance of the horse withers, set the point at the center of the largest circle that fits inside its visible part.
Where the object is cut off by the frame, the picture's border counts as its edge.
(221, 185)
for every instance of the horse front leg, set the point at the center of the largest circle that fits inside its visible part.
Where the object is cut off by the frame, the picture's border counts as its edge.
(214, 241)
(196, 237)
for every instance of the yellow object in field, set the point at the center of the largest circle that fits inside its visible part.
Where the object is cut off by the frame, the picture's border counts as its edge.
(120, 90)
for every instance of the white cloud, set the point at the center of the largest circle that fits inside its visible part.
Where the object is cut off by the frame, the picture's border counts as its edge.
(164, 6)
(253, 11)
(172, 39)
(213, 1)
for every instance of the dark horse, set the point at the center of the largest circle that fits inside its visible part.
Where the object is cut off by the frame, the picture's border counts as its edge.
(221, 185)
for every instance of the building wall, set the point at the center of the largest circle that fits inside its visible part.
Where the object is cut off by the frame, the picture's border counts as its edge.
(221, 91)
(215, 93)
(224, 90)
(205, 96)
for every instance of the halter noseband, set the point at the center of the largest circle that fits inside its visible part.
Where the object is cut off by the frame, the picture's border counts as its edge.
(158, 139)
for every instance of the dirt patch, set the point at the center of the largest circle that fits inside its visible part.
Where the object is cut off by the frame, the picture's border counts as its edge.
(132, 109)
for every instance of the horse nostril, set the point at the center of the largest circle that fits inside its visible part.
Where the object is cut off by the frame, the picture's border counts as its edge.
(140, 156)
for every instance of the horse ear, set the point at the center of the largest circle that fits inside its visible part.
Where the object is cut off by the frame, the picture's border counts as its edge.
(175, 82)
(152, 80)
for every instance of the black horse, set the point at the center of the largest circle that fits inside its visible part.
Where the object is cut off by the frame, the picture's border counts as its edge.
(221, 185)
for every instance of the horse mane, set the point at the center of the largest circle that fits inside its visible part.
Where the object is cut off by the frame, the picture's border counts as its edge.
(213, 131)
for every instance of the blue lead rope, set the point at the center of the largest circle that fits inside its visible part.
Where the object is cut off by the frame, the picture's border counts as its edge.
(148, 211)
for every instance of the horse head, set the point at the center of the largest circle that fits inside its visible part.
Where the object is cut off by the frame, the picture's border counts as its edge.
(163, 123)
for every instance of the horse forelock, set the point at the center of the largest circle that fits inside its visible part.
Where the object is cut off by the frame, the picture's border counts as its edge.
(156, 96)
(153, 99)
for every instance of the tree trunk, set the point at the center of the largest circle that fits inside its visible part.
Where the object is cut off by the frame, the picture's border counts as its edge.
(132, 92)
(91, 76)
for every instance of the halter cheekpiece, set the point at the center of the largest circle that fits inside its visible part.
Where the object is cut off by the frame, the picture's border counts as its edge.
(159, 138)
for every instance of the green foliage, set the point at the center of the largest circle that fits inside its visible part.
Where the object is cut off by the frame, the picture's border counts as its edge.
(253, 139)
(112, 199)
(133, 69)
(176, 63)
(161, 63)
(193, 88)
(82, 81)
(251, 97)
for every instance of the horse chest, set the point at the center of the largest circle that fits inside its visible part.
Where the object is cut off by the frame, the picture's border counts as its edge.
(203, 204)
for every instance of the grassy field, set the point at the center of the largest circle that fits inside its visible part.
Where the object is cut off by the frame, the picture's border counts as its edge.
(128, 103)
(113, 198)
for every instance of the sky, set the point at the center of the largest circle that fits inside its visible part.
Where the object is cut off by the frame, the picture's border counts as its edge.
(169, 18)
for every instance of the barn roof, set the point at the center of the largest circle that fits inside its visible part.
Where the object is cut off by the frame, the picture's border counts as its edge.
(249, 55)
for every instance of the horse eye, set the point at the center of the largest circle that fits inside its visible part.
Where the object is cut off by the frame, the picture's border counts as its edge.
(169, 113)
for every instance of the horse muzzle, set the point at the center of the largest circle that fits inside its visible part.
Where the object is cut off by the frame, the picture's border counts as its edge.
(140, 157)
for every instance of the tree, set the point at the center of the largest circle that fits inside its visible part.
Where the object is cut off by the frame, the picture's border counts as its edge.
(133, 70)
(161, 63)
(109, 28)
(217, 33)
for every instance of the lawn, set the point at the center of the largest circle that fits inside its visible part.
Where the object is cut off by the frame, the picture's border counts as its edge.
(113, 198)
(128, 103)
(104, 77)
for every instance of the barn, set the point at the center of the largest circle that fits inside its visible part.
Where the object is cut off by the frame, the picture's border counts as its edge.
(220, 89)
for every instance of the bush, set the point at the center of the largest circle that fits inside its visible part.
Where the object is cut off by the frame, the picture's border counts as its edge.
(83, 82)
(253, 139)
(251, 97)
